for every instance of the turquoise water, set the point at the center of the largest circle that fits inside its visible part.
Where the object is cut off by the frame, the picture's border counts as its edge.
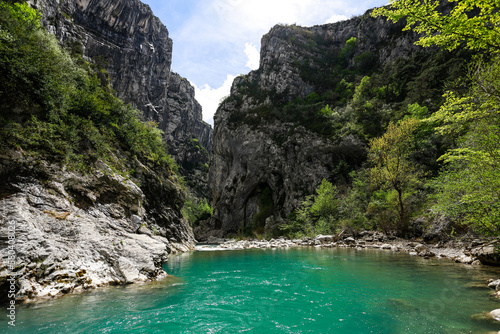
(279, 291)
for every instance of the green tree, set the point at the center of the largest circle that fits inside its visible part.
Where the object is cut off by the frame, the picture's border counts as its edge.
(325, 202)
(473, 22)
(196, 210)
(317, 214)
(54, 107)
(470, 183)
(392, 168)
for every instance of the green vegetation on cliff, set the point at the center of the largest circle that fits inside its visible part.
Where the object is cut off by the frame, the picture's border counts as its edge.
(431, 123)
(60, 108)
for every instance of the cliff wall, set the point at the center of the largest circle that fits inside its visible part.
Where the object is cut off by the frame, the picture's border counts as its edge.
(293, 122)
(134, 51)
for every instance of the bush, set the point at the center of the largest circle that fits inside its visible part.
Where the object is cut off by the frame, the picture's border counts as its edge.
(196, 210)
(316, 215)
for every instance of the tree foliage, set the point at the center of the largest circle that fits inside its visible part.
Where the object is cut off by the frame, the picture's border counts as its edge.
(392, 167)
(56, 107)
(474, 23)
(469, 185)
(196, 210)
(317, 214)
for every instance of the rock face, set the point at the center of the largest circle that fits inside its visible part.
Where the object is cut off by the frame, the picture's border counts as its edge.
(133, 50)
(72, 231)
(264, 165)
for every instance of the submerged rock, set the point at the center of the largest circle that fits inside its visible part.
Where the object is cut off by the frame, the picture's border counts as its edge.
(493, 316)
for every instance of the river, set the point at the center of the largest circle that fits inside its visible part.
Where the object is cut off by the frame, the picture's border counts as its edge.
(304, 290)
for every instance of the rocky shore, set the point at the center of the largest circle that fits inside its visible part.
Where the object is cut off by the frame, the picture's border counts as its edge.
(63, 232)
(474, 253)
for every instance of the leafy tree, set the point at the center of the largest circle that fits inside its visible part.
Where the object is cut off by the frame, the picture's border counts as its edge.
(392, 168)
(325, 201)
(473, 22)
(55, 108)
(196, 210)
(470, 184)
(316, 215)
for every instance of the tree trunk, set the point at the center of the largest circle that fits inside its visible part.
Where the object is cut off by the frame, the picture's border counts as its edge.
(401, 210)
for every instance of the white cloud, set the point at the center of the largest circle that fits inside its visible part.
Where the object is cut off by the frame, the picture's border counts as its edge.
(336, 18)
(253, 56)
(209, 97)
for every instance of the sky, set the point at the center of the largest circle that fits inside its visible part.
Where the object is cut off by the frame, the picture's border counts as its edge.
(217, 40)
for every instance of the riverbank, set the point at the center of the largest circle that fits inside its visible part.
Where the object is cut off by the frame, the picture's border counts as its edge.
(64, 231)
(466, 253)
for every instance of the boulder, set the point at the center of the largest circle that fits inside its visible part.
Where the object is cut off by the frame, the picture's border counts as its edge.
(324, 239)
(488, 254)
(350, 241)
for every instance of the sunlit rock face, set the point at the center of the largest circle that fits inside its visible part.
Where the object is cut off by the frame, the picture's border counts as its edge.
(75, 231)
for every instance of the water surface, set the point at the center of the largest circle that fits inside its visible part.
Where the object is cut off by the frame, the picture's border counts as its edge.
(280, 291)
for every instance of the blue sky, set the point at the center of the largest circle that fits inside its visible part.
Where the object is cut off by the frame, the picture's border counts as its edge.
(216, 40)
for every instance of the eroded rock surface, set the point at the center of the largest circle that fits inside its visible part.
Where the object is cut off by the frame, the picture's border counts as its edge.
(264, 164)
(74, 231)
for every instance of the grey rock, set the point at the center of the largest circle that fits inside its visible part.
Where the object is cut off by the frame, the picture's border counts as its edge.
(494, 284)
(488, 254)
(421, 248)
(324, 239)
(495, 314)
(136, 221)
(427, 254)
(350, 241)
(66, 243)
(440, 229)
(145, 230)
(464, 259)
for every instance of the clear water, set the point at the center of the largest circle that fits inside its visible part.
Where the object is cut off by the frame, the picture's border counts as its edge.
(280, 291)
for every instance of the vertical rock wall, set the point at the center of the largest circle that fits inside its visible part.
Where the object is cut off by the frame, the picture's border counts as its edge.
(124, 38)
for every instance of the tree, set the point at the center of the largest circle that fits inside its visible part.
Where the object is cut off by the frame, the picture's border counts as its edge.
(392, 168)
(325, 203)
(474, 23)
(317, 214)
(470, 182)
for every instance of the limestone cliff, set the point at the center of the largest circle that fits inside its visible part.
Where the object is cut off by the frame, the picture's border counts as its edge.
(271, 146)
(116, 216)
(134, 48)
